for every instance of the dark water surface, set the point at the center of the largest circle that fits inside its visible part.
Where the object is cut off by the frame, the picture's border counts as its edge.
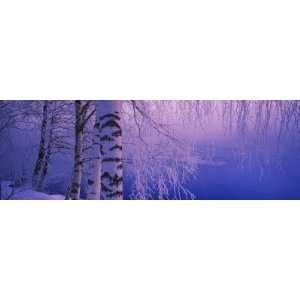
(230, 181)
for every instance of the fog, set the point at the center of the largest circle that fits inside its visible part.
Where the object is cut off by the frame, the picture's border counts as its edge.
(171, 149)
(238, 149)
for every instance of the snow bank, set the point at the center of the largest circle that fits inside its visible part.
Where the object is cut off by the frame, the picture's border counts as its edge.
(25, 193)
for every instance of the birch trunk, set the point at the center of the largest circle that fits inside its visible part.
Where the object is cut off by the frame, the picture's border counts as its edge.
(111, 150)
(77, 169)
(94, 180)
(42, 147)
(46, 162)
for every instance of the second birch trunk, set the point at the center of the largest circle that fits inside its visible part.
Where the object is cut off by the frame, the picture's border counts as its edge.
(42, 147)
(77, 169)
(111, 150)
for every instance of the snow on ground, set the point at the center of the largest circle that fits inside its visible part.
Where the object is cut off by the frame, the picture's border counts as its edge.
(25, 193)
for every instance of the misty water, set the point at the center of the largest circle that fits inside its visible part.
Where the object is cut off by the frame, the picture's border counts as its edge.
(231, 181)
(182, 150)
(252, 153)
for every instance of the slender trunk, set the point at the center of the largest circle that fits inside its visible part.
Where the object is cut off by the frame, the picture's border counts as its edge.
(94, 180)
(77, 169)
(45, 167)
(42, 147)
(111, 150)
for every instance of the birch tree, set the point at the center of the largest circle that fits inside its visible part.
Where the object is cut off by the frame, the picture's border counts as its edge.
(77, 168)
(82, 116)
(110, 127)
(49, 149)
(94, 178)
(42, 147)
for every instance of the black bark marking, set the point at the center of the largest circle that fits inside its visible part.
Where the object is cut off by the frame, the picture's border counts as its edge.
(111, 123)
(115, 147)
(101, 150)
(106, 138)
(112, 159)
(79, 163)
(90, 182)
(117, 133)
(113, 180)
(105, 189)
(116, 194)
(109, 116)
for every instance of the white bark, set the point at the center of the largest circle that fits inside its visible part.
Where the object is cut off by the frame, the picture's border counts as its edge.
(111, 150)
(77, 169)
(94, 180)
